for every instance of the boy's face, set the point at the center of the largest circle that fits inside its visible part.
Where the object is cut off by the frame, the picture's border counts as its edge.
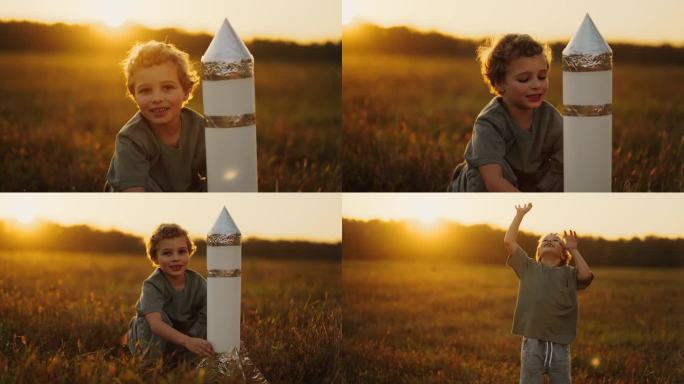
(173, 256)
(551, 246)
(526, 82)
(158, 93)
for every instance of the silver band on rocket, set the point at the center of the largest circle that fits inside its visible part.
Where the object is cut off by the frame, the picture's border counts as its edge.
(221, 240)
(224, 273)
(587, 110)
(233, 121)
(588, 62)
(227, 71)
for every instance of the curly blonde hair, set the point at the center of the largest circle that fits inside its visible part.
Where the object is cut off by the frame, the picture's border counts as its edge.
(166, 231)
(144, 55)
(565, 254)
(496, 54)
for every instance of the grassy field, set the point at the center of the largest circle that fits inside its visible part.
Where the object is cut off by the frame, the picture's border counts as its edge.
(430, 322)
(59, 115)
(63, 316)
(406, 121)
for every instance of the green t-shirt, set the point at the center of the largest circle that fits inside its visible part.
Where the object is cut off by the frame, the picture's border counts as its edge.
(186, 308)
(547, 299)
(142, 160)
(535, 156)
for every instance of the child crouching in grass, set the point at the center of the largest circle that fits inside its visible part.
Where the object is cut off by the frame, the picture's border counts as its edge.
(546, 311)
(171, 313)
(517, 140)
(161, 148)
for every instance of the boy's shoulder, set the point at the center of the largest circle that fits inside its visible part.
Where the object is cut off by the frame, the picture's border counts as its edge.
(494, 114)
(194, 121)
(156, 278)
(196, 276)
(136, 129)
(195, 117)
(547, 109)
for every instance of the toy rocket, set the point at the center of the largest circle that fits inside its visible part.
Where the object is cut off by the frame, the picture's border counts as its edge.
(224, 263)
(224, 270)
(587, 111)
(229, 106)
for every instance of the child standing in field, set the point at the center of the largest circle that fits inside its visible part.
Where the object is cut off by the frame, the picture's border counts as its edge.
(171, 313)
(161, 148)
(546, 311)
(517, 140)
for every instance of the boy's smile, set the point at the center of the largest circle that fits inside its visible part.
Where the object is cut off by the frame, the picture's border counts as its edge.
(159, 94)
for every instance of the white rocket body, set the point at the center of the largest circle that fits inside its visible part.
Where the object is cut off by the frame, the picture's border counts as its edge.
(224, 265)
(230, 108)
(587, 111)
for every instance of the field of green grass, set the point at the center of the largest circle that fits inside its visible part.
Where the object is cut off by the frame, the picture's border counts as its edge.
(439, 322)
(406, 121)
(59, 114)
(63, 316)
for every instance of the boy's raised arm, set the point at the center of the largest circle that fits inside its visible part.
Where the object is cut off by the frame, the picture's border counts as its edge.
(584, 273)
(511, 237)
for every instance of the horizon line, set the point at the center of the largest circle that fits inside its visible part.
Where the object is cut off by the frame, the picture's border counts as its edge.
(195, 32)
(18, 225)
(442, 220)
(478, 37)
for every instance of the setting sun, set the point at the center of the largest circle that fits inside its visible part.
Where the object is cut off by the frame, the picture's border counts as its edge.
(113, 14)
(23, 213)
(348, 11)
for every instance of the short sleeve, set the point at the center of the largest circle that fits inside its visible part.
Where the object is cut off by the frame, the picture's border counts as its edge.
(582, 284)
(519, 261)
(151, 300)
(487, 145)
(129, 167)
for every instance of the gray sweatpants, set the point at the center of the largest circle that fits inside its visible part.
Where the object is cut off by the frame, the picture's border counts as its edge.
(539, 357)
(141, 340)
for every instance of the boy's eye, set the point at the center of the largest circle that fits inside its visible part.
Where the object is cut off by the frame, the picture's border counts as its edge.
(523, 80)
(167, 87)
(542, 77)
(166, 253)
(143, 90)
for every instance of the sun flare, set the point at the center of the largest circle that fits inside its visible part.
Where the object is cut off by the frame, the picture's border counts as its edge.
(348, 11)
(26, 217)
(112, 13)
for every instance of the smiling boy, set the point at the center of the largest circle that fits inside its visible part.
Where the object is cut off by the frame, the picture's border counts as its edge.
(161, 148)
(517, 140)
(171, 313)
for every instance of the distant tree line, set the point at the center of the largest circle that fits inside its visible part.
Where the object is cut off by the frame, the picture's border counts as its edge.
(82, 238)
(369, 38)
(29, 36)
(376, 240)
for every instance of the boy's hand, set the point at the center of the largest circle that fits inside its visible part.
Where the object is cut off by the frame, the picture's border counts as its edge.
(199, 347)
(523, 209)
(570, 238)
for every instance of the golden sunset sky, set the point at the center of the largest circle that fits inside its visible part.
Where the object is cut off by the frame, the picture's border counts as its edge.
(611, 215)
(273, 216)
(651, 22)
(300, 20)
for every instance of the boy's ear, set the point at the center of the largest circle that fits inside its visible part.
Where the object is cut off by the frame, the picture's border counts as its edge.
(499, 88)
